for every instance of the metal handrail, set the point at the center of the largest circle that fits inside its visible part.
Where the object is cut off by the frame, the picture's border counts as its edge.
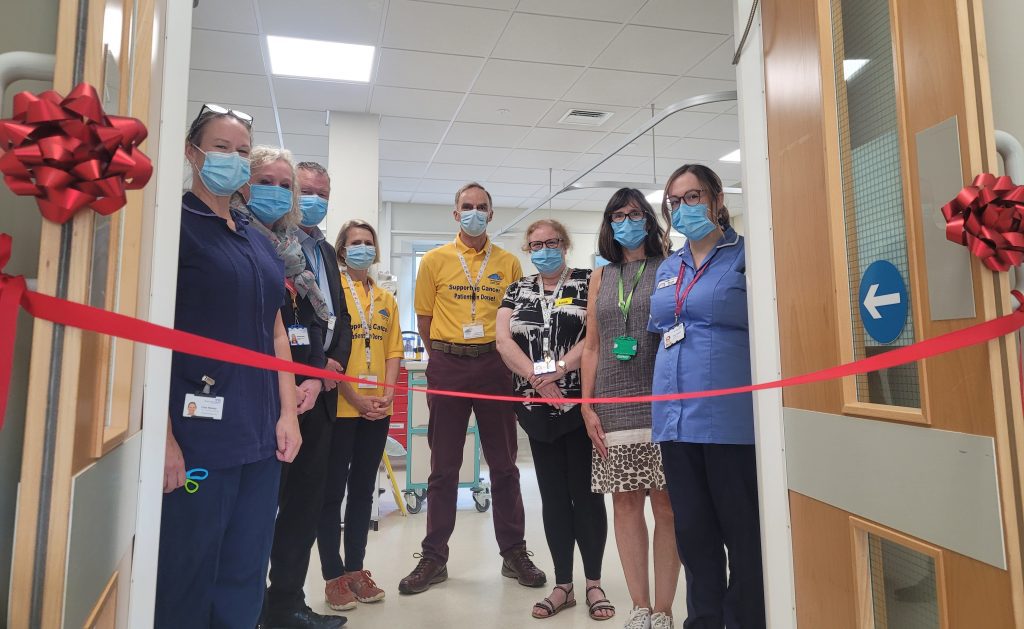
(19, 65)
(1012, 152)
(683, 105)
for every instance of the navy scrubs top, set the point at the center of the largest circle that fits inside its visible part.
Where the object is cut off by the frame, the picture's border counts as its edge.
(715, 354)
(230, 288)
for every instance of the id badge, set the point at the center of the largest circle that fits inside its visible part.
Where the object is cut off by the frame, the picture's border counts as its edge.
(676, 334)
(668, 282)
(199, 406)
(298, 335)
(472, 331)
(542, 367)
(331, 321)
(624, 347)
(367, 385)
(564, 301)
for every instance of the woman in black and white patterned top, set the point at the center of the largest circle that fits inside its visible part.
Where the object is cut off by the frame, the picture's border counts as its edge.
(540, 330)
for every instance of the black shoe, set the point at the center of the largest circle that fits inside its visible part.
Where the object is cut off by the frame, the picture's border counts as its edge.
(302, 618)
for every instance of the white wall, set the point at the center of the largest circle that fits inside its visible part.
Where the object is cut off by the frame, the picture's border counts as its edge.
(1002, 32)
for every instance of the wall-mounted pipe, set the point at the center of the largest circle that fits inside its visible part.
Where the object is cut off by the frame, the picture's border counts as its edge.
(1012, 152)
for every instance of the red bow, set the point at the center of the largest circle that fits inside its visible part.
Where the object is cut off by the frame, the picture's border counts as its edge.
(988, 217)
(70, 155)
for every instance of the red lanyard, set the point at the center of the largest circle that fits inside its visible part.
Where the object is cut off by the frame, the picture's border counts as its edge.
(680, 300)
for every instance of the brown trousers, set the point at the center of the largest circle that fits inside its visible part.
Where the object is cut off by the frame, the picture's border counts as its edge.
(449, 419)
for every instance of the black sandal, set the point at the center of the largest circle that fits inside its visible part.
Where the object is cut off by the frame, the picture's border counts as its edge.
(549, 607)
(600, 604)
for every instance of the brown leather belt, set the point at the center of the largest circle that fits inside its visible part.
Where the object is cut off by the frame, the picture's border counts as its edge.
(459, 349)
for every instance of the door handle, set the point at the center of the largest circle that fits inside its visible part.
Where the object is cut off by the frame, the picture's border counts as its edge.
(20, 64)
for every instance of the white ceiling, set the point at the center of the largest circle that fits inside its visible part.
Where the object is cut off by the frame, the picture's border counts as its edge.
(474, 89)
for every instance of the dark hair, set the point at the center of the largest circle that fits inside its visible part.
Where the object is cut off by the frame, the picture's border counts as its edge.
(195, 130)
(711, 183)
(656, 243)
(313, 167)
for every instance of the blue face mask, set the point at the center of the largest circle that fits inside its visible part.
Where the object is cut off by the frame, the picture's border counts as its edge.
(547, 260)
(223, 173)
(314, 209)
(630, 234)
(692, 221)
(360, 257)
(473, 222)
(269, 203)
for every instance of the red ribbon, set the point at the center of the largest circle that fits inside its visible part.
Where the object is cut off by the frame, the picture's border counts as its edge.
(988, 218)
(70, 155)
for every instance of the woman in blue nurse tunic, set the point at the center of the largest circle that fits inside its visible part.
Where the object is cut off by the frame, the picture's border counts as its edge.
(699, 306)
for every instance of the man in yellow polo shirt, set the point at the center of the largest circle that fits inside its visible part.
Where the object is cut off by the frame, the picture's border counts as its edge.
(459, 287)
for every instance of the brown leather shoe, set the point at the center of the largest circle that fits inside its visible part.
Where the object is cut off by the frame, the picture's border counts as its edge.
(426, 573)
(519, 566)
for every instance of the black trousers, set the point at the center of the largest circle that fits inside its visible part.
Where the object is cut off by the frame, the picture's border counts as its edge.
(713, 489)
(356, 448)
(573, 514)
(301, 497)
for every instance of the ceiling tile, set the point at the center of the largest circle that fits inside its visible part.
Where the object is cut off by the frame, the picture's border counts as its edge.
(693, 148)
(640, 147)
(262, 117)
(724, 127)
(225, 15)
(608, 10)
(502, 77)
(226, 87)
(632, 89)
(507, 202)
(350, 22)
(513, 189)
(477, 134)
(425, 70)
(398, 101)
(441, 186)
(400, 184)
(658, 50)
(459, 154)
(623, 163)
(688, 86)
(717, 65)
(442, 27)
(320, 95)
(407, 151)
(433, 198)
(306, 121)
(538, 176)
(503, 110)
(556, 203)
(677, 125)
(527, 158)
(692, 15)
(306, 144)
(503, 5)
(411, 129)
(226, 52)
(395, 196)
(389, 168)
(562, 107)
(560, 139)
(553, 39)
(461, 172)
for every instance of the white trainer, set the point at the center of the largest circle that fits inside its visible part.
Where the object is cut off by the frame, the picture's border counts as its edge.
(661, 620)
(639, 618)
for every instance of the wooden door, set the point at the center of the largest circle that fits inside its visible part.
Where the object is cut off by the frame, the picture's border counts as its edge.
(80, 471)
(905, 485)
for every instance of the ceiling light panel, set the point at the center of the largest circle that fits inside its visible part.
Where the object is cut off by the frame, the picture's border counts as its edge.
(319, 59)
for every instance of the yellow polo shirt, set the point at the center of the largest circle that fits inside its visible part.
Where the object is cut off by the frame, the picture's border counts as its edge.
(443, 291)
(385, 339)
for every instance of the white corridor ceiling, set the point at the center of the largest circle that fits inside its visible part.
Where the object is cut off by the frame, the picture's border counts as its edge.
(474, 89)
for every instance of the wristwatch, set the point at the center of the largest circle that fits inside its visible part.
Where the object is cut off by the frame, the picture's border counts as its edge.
(561, 367)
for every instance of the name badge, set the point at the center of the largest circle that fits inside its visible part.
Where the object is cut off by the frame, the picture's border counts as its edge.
(668, 282)
(676, 334)
(298, 335)
(366, 385)
(542, 367)
(199, 406)
(472, 331)
(564, 301)
(331, 321)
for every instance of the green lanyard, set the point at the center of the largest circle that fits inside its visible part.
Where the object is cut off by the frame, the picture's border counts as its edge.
(627, 301)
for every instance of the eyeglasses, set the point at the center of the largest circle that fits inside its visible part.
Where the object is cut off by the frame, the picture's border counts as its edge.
(483, 207)
(551, 243)
(689, 198)
(243, 117)
(634, 215)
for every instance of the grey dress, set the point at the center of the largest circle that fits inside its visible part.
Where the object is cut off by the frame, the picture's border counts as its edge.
(633, 461)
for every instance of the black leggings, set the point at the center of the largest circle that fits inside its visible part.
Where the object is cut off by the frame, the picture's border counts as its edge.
(357, 445)
(573, 514)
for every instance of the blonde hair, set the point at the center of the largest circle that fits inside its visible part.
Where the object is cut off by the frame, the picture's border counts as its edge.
(261, 156)
(339, 243)
(553, 224)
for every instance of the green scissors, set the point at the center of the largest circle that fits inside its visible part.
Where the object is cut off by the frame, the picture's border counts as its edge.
(192, 478)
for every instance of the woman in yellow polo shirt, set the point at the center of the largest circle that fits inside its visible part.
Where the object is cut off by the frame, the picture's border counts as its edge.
(364, 414)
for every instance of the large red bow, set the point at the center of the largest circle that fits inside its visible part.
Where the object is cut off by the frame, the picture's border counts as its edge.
(70, 155)
(988, 217)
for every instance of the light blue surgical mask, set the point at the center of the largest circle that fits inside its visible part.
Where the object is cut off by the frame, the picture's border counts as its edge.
(223, 173)
(360, 257)
(630, 234)
(314, 209)
(269, 203)
(547, 260)
(473, 222)
(692, 221)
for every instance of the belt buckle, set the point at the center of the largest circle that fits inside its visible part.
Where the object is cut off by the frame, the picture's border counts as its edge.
(473, 352)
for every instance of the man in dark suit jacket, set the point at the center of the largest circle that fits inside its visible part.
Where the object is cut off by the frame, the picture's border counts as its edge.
(303, 481)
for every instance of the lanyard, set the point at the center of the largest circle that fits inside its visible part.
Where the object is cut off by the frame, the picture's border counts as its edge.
(474, 286)
(547, 305)
(362, 314)
(680, 300)
(625, 303)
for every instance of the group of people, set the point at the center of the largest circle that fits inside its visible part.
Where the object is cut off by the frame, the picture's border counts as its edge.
(258, 464)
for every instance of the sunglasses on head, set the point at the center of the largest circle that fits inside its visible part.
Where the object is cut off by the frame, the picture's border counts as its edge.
(241, 116)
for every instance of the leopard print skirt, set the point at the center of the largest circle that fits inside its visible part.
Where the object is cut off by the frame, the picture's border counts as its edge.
(629, 467)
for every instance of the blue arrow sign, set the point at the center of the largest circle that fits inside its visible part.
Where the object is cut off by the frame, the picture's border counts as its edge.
(883, 301)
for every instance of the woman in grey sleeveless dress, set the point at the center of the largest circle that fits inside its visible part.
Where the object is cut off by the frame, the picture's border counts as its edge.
(618, 361)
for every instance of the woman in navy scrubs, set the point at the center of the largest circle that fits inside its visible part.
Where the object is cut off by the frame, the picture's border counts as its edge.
(699, 306)
(215, 533)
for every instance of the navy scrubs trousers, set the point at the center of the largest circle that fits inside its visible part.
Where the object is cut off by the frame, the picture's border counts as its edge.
(214, 549)
(713, 489)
